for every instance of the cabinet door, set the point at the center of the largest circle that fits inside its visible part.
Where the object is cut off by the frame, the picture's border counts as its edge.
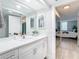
(10, 55)
(38, 52)
(26, 55)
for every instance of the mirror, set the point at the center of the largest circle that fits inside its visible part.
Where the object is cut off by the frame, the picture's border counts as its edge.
(14, 19)
(32, 22)
(23, 20)
(17, 18)
(14, 24)
(41, 21)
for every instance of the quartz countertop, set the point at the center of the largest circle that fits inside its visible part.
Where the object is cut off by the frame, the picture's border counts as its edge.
(7, 44)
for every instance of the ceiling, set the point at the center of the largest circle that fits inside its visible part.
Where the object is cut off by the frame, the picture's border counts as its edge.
(68, 13)
(57, 2)
(24, 6)
(29, 6)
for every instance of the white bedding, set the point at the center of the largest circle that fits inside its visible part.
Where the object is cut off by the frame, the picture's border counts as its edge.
(69, 34)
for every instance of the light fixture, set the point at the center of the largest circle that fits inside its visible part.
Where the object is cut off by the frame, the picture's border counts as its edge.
(66, 7)
(18, 6)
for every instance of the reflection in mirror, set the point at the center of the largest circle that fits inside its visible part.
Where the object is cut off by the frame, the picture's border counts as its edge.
(0, 20)
(14, 14)
(32, 22)
(23, 20)
(41, 21)
(14, 25)
(3, 23)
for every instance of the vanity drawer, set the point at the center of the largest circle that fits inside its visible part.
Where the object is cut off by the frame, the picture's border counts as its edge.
(10, 55)
(32, 51)
(31, 46)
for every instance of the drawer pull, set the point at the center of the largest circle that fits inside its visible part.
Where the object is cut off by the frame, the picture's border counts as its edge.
(34, 51)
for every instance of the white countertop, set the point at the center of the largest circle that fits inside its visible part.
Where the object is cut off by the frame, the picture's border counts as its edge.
(10, 43)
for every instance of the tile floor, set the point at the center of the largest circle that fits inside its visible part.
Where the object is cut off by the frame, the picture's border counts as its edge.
(67, 49)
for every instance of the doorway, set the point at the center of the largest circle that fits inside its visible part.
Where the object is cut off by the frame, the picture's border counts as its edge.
(67, 31)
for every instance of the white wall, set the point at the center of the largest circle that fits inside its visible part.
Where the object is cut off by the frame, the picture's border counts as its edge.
(28, 28)
(60, 2)
(50, 19)
(36, 15)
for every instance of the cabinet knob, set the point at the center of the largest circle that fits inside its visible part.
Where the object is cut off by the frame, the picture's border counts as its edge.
(34, 51)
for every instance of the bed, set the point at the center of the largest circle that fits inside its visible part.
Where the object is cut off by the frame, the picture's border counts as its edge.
(66, 34)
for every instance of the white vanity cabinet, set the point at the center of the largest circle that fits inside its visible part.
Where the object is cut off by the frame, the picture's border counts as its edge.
(38, 51)
(34, 50)
(26, 55)
(33, 53)
(10, 55)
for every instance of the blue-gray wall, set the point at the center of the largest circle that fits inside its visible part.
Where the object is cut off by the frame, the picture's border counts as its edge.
(57, 23)
(71, 24)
